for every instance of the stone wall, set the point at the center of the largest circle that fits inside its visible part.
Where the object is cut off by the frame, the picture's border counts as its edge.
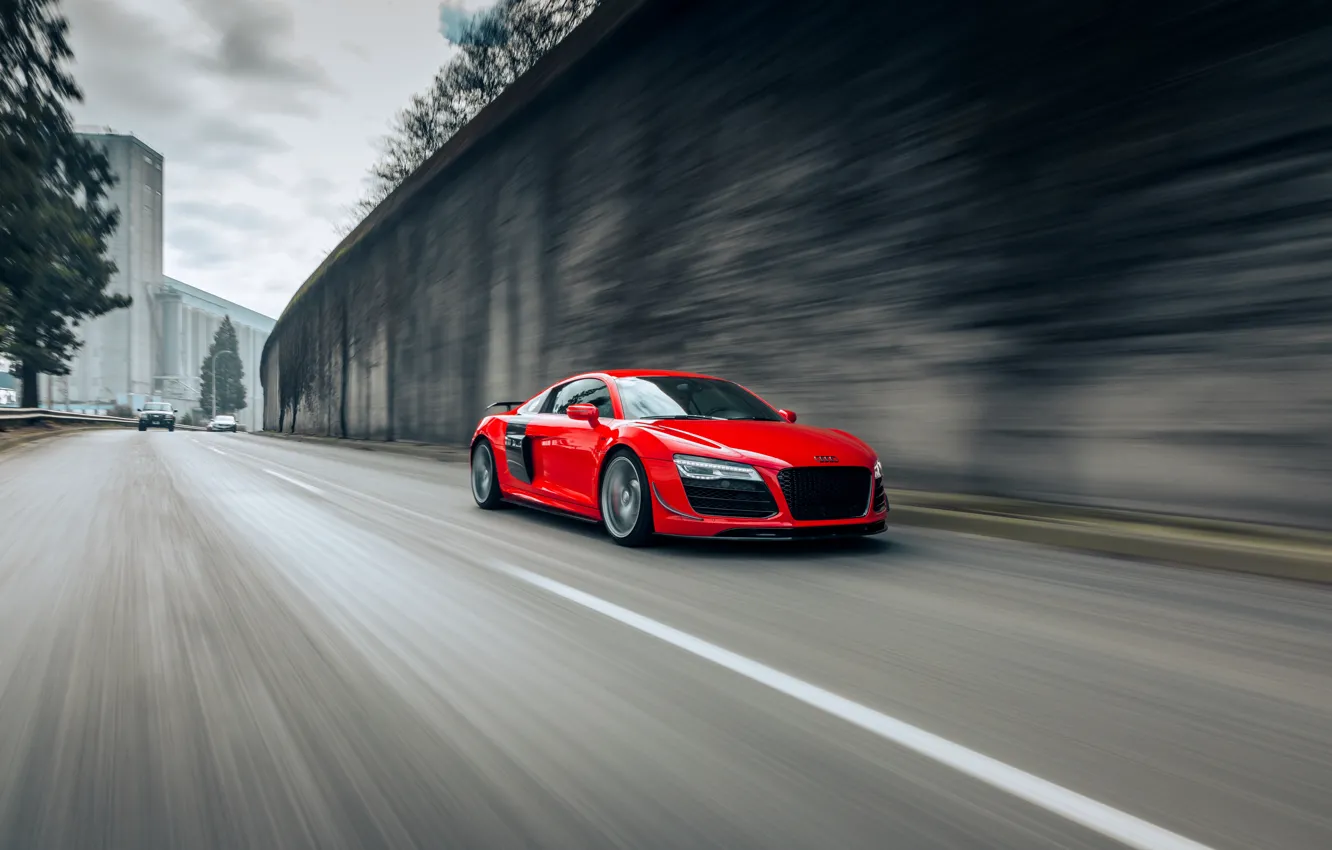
(1025, 248)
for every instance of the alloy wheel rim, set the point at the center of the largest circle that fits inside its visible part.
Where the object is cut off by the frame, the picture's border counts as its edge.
(481, 474)
(621, 497)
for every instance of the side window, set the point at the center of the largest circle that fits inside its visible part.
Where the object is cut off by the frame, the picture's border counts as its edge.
(535, 405)
(585, 391)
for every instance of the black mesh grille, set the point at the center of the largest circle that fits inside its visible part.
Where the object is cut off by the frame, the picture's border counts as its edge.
(731, 498)
(880, 497)
(826, 492)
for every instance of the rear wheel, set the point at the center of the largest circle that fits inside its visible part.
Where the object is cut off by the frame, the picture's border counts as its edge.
(485, 481)
(626, 505)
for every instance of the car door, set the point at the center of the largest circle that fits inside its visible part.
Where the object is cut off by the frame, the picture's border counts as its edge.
(566, 450)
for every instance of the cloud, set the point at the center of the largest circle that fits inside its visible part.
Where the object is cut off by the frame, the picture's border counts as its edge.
(153, 81)
(253, 41)
(118, 53)
(238, 96)
(232, 132)
(318, 197)
(454, 16)
(235, 215)
(202, 246)
(355, 49)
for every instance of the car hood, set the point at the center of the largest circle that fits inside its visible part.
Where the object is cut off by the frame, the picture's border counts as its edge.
(766, 443)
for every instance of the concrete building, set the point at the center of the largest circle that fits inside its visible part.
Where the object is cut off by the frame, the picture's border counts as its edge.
(116, 360)
(154, 349)
(187, 319)
(9, 385)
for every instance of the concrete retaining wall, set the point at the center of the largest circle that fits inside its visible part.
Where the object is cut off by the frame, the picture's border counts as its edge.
(1022, 248)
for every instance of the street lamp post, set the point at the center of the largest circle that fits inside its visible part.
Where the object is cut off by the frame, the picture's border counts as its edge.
(216, 355)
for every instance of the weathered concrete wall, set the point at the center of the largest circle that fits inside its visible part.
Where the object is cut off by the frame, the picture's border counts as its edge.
(1028, 248)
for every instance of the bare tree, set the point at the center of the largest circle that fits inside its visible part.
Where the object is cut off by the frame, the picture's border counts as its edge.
(496, 48)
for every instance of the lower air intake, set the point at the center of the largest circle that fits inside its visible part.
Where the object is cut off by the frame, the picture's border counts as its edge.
(741, 499)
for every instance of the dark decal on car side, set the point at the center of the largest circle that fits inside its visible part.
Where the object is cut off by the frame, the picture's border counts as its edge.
(518, 449)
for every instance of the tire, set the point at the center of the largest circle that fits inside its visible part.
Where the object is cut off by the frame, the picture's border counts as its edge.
(484, 475)
(143, 428)
(625, 499)
(171, 428)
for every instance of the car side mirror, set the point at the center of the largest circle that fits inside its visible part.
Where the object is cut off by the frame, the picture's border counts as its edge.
(583, 412)
(138, 410)
(788, 415)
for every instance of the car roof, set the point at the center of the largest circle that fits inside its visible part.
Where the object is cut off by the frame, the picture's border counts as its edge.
(649, 373)
(629, 373)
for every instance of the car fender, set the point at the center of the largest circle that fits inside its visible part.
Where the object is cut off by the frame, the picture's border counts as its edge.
(658, 442)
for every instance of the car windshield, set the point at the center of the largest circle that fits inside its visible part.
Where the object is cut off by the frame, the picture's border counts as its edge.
(667, 397)
(158, 406)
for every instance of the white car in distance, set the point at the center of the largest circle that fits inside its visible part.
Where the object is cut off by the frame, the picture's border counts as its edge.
(222, 422)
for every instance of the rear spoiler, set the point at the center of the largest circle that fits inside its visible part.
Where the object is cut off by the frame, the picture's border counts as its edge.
(504, 404)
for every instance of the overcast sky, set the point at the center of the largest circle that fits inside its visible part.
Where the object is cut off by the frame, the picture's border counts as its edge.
(267, 113)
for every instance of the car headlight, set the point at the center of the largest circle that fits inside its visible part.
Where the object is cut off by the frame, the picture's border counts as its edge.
(878, 468)
(710, 469)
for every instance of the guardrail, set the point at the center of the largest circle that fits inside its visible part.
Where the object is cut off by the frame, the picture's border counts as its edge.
(34, 415)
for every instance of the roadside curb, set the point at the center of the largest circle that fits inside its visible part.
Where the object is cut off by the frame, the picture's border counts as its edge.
(11, 440)
(1280, 552)
(1299, 556)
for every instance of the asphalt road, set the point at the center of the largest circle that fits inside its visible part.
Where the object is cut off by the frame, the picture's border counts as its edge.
(224, 641)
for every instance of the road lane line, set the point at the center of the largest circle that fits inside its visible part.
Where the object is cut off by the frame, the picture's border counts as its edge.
(1098, 817)
(289, 480)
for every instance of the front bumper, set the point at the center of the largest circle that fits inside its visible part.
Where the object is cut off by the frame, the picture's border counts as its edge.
(152, 422)
(673, 515)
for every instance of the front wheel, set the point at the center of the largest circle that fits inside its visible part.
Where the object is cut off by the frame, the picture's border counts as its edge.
(485, 481)
(626, 504)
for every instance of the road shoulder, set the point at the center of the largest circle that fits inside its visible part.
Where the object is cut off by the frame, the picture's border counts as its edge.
(1199, 542)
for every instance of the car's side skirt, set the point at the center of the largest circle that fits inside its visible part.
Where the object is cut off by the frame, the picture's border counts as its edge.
(523, 501)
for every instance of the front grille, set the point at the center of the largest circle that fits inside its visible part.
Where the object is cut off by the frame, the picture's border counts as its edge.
(749, 499)
(825, 492)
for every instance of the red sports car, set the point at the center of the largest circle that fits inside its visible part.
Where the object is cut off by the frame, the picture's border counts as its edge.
(676, 453)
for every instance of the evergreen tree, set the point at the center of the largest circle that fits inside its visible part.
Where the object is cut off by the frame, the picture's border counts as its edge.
(223, 355)
(53, 227)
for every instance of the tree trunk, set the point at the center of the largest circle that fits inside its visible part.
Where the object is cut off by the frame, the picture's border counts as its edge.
(28, 379)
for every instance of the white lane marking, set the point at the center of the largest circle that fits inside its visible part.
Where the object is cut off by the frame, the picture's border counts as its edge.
(1106, 820)
(1098, 817)
(290, 480)
(219, 451)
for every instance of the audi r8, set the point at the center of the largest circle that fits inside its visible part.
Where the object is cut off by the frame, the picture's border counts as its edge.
(675, 453)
